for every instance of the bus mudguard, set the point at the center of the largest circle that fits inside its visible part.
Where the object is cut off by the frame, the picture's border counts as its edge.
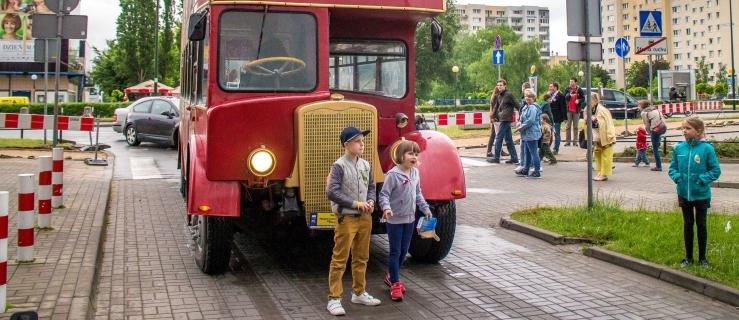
(442, 176)
(206, 197)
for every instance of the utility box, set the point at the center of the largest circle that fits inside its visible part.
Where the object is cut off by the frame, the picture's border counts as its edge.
(683, 81)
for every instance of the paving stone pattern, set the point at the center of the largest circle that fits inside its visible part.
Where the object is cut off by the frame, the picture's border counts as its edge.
(57, 284)
(148, 272)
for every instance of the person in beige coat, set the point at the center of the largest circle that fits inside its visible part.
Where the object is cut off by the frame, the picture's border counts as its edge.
(604, 138)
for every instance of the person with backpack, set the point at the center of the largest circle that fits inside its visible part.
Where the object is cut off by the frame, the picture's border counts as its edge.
(654, 122)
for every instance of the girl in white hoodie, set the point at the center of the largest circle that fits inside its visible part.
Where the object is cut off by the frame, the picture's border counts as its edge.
(400, 195)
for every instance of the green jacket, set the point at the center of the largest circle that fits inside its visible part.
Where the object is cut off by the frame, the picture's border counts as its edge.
(694, 168)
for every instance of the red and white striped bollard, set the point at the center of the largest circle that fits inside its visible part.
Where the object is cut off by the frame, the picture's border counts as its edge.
(25, 217)
(4, 198)
(57, 177)
(44, 192)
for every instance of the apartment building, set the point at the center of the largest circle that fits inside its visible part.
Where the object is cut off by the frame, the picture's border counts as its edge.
(527, 21)
(695, 29)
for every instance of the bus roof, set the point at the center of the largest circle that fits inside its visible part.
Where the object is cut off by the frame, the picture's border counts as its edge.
(437, 6)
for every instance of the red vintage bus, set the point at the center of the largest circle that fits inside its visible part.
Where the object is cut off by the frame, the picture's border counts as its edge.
(266, 89)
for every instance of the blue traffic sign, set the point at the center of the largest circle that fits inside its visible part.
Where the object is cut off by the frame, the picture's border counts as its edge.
(650, 23)
(498, 57)
(622, 47)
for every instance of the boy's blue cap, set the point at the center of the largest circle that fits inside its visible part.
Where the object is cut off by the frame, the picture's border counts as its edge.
(350, 133)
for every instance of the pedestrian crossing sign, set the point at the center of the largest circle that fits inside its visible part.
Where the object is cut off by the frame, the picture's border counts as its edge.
(650, 23)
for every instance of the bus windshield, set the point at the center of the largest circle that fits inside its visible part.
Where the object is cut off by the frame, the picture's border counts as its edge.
(272, 51)
(374, 67)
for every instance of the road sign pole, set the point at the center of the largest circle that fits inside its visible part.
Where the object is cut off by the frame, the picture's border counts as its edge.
(733, 69)
(46, 81)
(626, 104)
(649, 94)
(588, 108)
(498, 72)
(57, 67)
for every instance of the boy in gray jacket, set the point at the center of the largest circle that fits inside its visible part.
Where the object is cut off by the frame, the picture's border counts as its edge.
(400, 195)
(351, 190)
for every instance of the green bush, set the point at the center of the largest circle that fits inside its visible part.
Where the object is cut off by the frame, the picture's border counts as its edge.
(104, 110)
(728, 148)
(637, 92)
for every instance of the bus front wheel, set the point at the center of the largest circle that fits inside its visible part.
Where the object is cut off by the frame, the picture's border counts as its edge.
(430, 250)
(213, 244)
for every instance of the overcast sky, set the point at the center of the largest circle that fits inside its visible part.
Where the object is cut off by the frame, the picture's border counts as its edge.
(102, 15)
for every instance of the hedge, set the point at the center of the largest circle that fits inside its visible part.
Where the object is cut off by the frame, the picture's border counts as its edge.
(446, 109)
(104, 110)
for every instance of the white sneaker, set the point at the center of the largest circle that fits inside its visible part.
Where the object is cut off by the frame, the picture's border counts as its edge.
(334, 307)
(519, 168)
(365, 299)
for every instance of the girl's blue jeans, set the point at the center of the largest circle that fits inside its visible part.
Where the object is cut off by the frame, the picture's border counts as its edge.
(399, 236)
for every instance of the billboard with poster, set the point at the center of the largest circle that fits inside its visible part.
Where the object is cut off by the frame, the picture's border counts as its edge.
(16, 36)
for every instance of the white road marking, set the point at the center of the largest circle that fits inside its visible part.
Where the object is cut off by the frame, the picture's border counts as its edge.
(469, 162)
(144, 168)
(485, 191)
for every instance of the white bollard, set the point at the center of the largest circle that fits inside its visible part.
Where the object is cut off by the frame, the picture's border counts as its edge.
(4, 198)
(44, 192)
(57, 178)
(25, 217)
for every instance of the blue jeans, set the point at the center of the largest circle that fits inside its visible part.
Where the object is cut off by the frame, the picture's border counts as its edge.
(655, 149)
(641, 156)
(504, 132)
(399, 236)
(557, 136)
(532, 155)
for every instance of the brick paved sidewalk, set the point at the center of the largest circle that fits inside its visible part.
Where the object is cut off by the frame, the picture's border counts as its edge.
(58, 284)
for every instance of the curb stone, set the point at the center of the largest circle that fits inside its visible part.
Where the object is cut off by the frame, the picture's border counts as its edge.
(82, 305)
(705, 287)
(546, 235)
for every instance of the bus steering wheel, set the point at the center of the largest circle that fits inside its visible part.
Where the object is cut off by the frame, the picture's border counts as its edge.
(289, 66)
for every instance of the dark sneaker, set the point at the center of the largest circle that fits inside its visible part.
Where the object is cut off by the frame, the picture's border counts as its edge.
(493, 160)
(511, 161)
(535, 175)
(656, 169)
(704, 263)
(521, 173)
(635, 165)
(552, 162)
(685, 262)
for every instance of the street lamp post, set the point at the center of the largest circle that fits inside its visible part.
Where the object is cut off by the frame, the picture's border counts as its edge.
(733, 69)
(455, 70)
(33, 93)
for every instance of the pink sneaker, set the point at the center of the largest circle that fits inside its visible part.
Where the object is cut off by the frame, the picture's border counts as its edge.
(396, 292)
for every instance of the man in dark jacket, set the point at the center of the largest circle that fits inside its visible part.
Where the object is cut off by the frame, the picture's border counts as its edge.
(559, 112)
(503, 108)
(575, 99)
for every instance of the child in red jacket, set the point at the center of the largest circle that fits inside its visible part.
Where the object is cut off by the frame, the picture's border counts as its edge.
(641, 147)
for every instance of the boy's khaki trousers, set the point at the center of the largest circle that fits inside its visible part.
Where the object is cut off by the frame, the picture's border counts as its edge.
(352, 235)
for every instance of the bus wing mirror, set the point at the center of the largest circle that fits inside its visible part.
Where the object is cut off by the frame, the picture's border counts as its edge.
(436, 35)
(196, 26)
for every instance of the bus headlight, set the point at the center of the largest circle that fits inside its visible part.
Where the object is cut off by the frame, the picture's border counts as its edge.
(261, 162)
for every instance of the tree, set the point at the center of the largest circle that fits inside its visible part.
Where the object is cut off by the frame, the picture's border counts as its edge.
(136, 39)
(108, 71)
(638, 73)
(435, 66)
(561, 73)
(600, 75)
(701, 73)
(637, 92)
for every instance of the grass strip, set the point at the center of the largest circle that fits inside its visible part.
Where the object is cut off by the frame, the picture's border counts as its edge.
(649, 235)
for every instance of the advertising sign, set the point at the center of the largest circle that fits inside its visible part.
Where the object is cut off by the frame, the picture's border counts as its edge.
(16, 36)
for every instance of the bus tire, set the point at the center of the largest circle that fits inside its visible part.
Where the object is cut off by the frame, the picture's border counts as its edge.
(430, 250)
(213, 245)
